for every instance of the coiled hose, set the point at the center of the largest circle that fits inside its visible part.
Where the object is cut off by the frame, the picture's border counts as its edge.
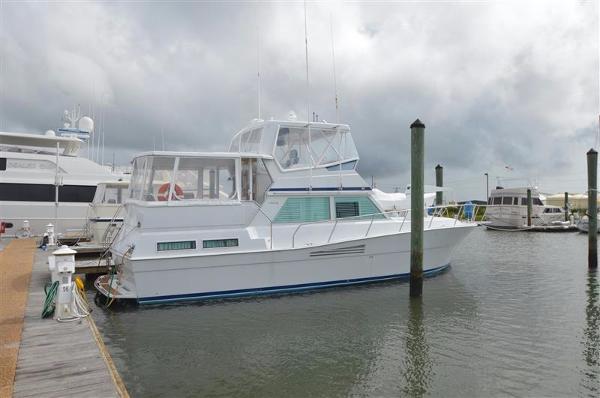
(50, 289)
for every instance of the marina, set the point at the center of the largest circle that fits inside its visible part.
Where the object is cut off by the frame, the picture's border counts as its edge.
(243, 199)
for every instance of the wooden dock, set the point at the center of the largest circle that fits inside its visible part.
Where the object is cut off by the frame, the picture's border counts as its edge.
(61, 359)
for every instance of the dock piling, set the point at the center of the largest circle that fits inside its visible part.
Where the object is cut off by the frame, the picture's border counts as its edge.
(566, 206)
(439, 182)
(592, 172)
(417, 175)
(529, 207)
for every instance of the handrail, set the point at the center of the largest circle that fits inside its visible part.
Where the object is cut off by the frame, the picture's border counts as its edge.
(438, 211)
(336, 222)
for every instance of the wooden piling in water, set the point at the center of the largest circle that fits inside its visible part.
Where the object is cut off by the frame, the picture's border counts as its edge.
(439, 182)
(529, 207)
(566, 206)
(592, 172)
(417, 176)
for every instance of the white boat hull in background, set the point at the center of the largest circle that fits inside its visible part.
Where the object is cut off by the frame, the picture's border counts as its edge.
(72, 217)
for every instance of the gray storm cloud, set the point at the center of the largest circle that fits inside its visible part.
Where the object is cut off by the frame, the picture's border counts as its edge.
(497, 83)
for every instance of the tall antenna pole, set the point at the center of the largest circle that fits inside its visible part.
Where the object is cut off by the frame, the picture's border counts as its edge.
(598, 133)
(258, 59)
(306, 59)
(103, 134)
(308, 98)
(337, 110)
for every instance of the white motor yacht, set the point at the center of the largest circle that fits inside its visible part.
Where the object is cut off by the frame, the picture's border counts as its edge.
(284, 210)
(43, 180)
(507, 209)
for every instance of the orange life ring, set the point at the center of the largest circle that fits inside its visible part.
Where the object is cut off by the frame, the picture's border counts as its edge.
(163, 192)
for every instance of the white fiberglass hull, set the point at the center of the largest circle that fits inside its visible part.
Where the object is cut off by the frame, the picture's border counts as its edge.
(69, 218)
(507, 216)
(195, 277)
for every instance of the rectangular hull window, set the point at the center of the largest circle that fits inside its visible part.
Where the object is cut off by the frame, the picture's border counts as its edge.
(211, 244)
(182, 245)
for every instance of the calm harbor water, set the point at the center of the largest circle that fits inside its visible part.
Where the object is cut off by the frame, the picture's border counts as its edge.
(517, 314)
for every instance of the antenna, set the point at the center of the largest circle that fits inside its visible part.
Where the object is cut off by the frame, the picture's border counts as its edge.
(337, 110)
(306, 58)
(258, 59)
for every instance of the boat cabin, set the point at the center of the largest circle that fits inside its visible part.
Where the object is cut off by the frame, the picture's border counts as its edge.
(513, 197)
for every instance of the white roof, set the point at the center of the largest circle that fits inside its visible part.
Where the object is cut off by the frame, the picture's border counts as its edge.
(227, 155)
(69, 145)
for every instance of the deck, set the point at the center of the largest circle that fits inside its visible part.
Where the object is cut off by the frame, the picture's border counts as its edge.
(59, 359)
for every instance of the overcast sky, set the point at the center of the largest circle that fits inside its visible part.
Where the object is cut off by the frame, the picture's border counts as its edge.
(497, 83)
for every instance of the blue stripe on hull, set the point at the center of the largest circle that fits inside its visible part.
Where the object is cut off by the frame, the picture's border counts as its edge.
(284, 289)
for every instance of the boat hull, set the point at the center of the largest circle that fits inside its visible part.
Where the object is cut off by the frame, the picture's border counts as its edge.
(69, 217)
(368, 260)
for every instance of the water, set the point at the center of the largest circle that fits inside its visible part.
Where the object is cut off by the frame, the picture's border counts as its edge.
(517, 314)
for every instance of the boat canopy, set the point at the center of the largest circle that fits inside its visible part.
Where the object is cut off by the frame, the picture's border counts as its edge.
(299, 145)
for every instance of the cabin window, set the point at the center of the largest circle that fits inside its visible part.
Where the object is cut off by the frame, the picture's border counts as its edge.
(346, 209)
(354, 206)
(498, 200)
(255, 179)
(180, 245)
(216, 243)
(537, 202)
(46, 193)
(489, 201)
(515, 201)
(205, 178)
(112, 195)
(507, 200)
(137, 178)
(2, 164)
(302, 147)
(30, 165)
(250, 141)
(304, 209)
(523, 201)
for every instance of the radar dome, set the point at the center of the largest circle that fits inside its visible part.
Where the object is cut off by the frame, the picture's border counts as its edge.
(86, 124)
(50, 133)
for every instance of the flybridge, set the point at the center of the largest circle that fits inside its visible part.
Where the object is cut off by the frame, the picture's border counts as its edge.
(299, 145)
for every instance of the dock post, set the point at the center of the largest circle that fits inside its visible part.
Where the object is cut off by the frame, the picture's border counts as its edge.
(592, 169)
(529, 207)
(566, 206)
(417, 175)
(439, 182)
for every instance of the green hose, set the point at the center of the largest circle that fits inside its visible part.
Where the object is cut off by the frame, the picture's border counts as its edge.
(50, 289)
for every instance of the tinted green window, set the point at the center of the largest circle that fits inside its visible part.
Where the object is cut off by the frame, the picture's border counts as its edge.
(211, 244)
(304, 209)
(183, 245)
(352, 206)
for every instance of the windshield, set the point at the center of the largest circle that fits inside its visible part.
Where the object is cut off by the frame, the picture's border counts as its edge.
(304, 147)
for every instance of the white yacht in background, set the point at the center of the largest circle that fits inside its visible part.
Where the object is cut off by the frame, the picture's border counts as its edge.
(44, 180)
(507, 209)
(284, 210)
